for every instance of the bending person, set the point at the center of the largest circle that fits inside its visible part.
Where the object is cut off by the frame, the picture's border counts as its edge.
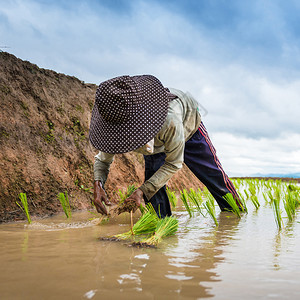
(137, 113)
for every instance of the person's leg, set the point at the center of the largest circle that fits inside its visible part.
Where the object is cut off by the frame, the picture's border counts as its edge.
(160, 200)
(200, 157)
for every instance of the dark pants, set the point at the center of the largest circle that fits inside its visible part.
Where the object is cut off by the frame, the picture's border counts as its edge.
(200, 157)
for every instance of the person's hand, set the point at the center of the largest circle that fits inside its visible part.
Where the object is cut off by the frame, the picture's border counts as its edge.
(100, 198)
(137, 198)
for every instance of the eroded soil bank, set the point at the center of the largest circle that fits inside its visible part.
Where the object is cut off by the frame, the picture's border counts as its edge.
(44, 147)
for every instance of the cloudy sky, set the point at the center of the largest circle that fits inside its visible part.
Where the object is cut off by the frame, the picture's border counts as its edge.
(239, 58)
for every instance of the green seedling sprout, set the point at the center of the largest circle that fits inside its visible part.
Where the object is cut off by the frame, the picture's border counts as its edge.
(172, 197)
(24, 207)
(290, 205)
(64, 200)
(247, 195)
(255, 202)
(196, 199)
(265, 197)
(184, 198)
(243, 204)
(277, 212)
(209, 205)
(253, 197)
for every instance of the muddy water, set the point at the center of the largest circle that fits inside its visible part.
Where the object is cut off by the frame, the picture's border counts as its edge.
(240, 259)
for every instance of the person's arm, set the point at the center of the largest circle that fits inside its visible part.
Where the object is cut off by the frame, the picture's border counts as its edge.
(102, 165)
(101, 170)
(173, 139)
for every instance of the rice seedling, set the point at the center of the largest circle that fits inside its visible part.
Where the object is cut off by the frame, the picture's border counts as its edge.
(265, 197)
(209, 205)
(196, 199)
(243, 204)
(290, 205)
(24, 207)
(184, 198)
(247, 195)
(253, 197)
(165, 227)
(270, 195)
(64, 201)
(255, 202)
(232, 202)
(172, 197)
(145, 225)
(277, 212)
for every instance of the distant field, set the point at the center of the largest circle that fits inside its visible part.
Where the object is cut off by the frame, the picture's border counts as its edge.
(274, 178)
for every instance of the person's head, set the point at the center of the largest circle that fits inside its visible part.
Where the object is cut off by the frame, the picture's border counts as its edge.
(128, 112)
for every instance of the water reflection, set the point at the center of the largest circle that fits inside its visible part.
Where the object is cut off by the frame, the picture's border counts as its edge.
(277, 250)
(24, 245)
(180, 266)
(281, 239)
(200, 261)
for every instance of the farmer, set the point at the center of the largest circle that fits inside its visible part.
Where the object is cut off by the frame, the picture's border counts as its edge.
(137, 113)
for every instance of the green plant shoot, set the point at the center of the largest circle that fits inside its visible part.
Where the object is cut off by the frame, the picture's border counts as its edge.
(64, 200)
(24, 207)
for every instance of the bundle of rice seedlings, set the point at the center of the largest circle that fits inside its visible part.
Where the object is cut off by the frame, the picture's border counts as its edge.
(184, 198)
(126, 206)
(209, 205)
(24, 207)
(124, 195)
(145, 225)
(172, 197)
(232, 202)
(165, 227)
(64, 200)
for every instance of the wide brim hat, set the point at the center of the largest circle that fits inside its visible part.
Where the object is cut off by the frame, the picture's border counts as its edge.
(128, 112)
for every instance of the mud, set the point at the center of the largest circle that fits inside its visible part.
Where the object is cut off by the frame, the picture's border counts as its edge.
(44, 146)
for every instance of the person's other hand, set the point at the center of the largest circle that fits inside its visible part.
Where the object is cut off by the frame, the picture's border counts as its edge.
(137, 198)
(100, 198)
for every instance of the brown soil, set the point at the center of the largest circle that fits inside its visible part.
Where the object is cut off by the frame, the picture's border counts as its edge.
(44, 147)
(142, 245)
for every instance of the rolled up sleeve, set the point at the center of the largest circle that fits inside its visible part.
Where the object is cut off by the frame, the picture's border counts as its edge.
(102, 165)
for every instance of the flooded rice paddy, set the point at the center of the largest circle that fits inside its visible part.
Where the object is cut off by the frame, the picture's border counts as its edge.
(247, 258)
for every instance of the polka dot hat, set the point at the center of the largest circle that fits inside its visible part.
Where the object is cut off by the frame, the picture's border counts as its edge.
(128, 112)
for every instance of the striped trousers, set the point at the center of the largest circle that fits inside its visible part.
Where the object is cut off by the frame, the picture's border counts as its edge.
(200, 157)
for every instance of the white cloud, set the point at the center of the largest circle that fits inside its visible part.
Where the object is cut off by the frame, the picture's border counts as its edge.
(252, 107)
(241, 156)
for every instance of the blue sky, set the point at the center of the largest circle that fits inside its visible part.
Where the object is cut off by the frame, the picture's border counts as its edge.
(240, 59)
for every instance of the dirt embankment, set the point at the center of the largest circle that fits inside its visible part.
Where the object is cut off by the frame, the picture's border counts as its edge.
(44, 147)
